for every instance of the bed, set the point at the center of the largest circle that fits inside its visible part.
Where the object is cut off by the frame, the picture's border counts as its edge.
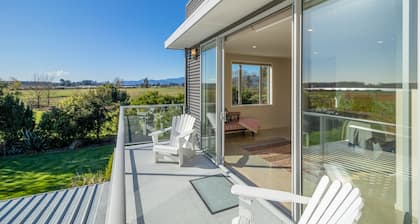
(235, 123)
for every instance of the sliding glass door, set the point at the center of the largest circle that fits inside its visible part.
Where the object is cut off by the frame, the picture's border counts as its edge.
(209, 117)
(359, 100)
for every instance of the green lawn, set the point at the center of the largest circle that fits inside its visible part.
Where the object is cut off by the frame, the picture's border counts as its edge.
(31, 174)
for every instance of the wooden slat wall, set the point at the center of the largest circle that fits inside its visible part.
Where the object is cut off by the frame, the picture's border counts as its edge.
(193, 96)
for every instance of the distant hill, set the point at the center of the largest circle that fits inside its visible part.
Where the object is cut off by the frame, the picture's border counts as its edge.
(162, 82)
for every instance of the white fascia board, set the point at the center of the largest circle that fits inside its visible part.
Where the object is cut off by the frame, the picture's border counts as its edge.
(195, 17)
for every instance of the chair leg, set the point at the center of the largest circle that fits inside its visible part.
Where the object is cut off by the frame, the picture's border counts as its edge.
(156, 156)
(245, 211)
(181, 158)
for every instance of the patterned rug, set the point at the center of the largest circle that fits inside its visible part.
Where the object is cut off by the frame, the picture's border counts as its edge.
(276, 152)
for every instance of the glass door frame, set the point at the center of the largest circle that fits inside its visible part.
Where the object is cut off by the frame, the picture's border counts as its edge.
(220, 101)
(418, 109)
(219, 130)
(297, 11)
(220, 150)
(296, 6)
(219, 39)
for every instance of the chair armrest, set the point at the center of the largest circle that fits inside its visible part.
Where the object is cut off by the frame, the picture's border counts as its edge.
(155, 133)
(181, 139)
(185, 134)
(268, 194)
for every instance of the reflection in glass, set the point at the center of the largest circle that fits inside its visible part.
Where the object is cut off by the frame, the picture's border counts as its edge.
(208, 97)
(358, 103)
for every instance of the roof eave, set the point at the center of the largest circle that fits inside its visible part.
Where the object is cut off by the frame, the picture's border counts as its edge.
(194, 18)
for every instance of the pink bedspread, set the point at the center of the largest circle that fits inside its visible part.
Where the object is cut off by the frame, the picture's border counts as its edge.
(250, 123)
(233, 126)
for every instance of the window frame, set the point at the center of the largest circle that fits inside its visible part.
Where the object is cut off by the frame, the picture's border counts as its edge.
(239, 84)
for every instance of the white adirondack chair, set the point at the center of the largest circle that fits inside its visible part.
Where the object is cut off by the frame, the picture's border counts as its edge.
(330, 203)
(180, 139)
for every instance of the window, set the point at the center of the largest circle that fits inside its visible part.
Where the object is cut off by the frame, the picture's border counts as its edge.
(251, 84)
(358, 83)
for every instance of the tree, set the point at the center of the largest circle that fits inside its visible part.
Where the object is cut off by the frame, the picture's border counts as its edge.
(68, 83)
(103, 101)
(146, 83)
(118, 82)
(235, 98)
(2, 86)
(37, 88)
(14, 118)
(15, 86)
(49, 79)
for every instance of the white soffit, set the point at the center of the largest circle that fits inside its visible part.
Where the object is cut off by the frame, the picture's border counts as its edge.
(271, 37)
(211, 17)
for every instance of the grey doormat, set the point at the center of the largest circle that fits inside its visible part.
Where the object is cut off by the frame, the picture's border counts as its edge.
(214, 191)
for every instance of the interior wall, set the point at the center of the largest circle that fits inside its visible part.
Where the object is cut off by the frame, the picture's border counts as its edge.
(276, 115)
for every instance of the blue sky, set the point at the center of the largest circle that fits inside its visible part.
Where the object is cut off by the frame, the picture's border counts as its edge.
(89, 39)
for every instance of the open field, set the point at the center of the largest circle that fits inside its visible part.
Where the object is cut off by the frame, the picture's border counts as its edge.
(57, 95)
(31, 174)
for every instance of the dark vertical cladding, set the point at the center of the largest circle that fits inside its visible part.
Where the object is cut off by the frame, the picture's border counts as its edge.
(192, 5)
(192, 88)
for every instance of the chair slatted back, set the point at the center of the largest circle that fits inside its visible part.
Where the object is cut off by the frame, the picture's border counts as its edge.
(341, 195)
(333, 203)
(181, 124)
(190, 125)
(174, 132)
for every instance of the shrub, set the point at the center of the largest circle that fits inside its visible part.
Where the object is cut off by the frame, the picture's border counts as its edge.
(249, 97)
(14, 118)
(60, 126)
(110, 94)
(87, 179)
(108, 169)
(34, 141)
(154, 97)
(79, 117)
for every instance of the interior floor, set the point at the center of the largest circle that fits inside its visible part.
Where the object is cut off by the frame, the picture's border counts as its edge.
(264, 158)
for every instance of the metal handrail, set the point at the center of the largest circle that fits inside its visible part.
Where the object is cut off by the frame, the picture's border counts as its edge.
(151, 106)
(116, 209)
(116, 203)
(314, 114)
